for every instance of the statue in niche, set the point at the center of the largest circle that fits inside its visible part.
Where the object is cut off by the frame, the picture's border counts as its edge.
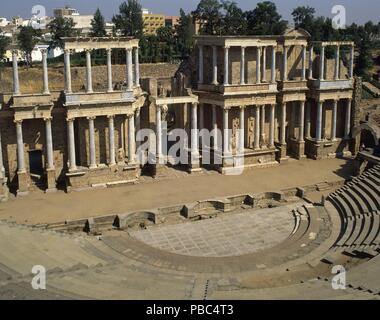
(235, 127)
(251, 132)
(120, 155)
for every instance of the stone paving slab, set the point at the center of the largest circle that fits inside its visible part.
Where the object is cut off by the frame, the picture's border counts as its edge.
(229, 235)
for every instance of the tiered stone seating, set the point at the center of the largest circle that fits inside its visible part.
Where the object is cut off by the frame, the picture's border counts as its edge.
(358, 203)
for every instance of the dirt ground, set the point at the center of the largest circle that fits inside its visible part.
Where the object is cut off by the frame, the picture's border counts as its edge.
(38, 207)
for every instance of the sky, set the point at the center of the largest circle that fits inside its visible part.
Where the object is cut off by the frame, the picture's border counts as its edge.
(358, 11)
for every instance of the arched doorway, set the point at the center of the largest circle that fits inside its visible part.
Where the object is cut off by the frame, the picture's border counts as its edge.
(367, 139)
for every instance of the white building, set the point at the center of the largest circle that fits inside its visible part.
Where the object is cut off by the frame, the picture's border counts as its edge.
(3, 22)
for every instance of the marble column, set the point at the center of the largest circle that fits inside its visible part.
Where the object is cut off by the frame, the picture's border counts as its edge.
(257, 128)
(129, 70)
(301, 137)
(303, 76)
(241, 130)
(311, 59)
(20, 148)
(158, 133)
(45, 72)
(68, 88)
(271, 126)
(194, 129)
(226, 66)
(264, 75)
(347, 127)
(322, 64)
(262, 125)
(352, 58)
(258, 65)
(49, 144)
(273, 70)
(318, 135)
(201, 121)
(333, 120)
(308, 120)
(16, 82)
(2, 169)
(91, 132)
(285, 64)
(214, 65)
(337, 63)
(131, 139)
(214, 127)
(137, 67)
(283, 123)
(242, 66)
(226, 142)
(88, 72)
(200, 64)
(71, 144)
(111, 138)
(109, 70)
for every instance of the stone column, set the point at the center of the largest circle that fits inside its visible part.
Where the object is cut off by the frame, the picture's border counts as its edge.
(226, 142)
(303, 63)
(214, 65)
(68, 88)
(200, 65)
(283, 123)
(91, 131)
(242, 66)
(71, 144)
(201, 121)
(241, 130)
(111, 137)
(131, 139)
(258, 65)
(214, 128)
(49, 144)
(347, 127)
(333, 120)
(257, 128)
(45, 72)
(262, 125)
(20, 148)
(88, 72)
(311, 58)
(194, 128)
(158, 133)
(129, 70)
(352, 58)
(264, 75)
(322, 64)
(285, 64)
(301, 137)
(137, 67)
(109, 70)
(2, 169)
(226, 66)
(308, 121)
(271, 127)
(273, 70)
(138, 124)
(318, 135)
(16, 82)
(337, 63)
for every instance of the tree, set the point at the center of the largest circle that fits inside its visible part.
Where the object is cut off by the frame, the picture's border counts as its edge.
(265, 20)
(185, 32)
(129, 21)
(303, 17)
(98, 25)
(60, 28)
(364, 61)
(4, 43)
(27, 39)
(209, 15)
(234, 22)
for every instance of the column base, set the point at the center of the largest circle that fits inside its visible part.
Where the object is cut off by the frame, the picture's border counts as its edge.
(300, 145)
(23, 183)
(50, 180)
(194, 162)
(282, 155)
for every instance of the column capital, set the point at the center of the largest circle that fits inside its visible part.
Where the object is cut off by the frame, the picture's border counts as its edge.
(109, 50)
(88, 50)
(67, 51)
(47, 119)
(15, 52)
(44, 51)
(128, 49)
(111, 116)
(226, 47)
(91, 118)
(70, 119)
(242, 107)
(226, 108)
(18, 121)
(243, 47)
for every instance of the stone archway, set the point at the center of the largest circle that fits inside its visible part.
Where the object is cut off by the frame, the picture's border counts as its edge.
(365, 130)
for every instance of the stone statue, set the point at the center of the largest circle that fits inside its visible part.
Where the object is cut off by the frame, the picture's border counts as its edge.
(120, 155)
(251, 132)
